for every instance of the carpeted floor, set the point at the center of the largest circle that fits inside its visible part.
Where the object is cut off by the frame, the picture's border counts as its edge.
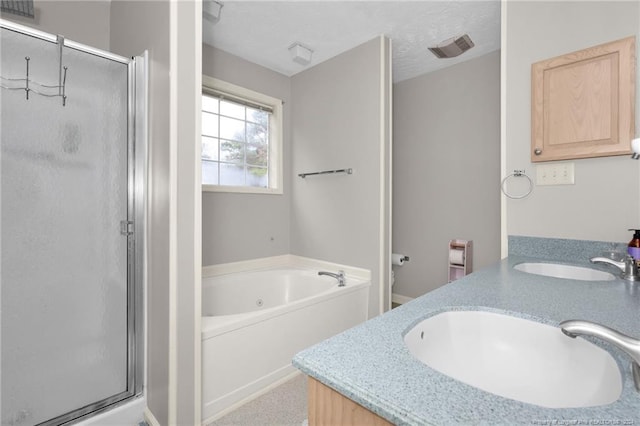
(285, 405)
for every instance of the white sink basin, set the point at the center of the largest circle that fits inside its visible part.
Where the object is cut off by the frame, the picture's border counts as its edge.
(564, 271)
(516, 358)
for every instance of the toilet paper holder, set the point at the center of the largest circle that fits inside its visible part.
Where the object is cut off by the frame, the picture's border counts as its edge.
(398, 259)
(460, 258)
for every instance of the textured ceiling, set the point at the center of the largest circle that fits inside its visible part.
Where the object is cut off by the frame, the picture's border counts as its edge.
(262, 31)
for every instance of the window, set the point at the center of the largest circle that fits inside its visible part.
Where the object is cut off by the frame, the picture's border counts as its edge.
(241, 139)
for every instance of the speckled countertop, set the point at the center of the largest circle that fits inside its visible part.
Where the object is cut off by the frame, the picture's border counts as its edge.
(371, 365)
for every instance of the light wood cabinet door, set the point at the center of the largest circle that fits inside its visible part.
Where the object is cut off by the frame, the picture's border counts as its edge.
(330, 408)
(583, 103)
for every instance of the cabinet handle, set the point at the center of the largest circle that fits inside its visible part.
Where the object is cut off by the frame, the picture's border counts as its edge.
(537, 151)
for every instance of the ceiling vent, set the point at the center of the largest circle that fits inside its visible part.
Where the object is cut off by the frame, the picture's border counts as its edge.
(452, 47)
(18, 7)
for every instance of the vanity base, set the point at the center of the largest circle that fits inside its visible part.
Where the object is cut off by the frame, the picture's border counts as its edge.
(328, 407)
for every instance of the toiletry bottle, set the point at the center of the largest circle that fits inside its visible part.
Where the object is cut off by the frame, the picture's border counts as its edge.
(634, 246)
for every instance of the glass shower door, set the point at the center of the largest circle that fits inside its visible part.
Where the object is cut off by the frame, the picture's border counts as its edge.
(66, 248)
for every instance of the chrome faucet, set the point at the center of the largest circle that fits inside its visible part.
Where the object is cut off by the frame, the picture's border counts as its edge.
(339, 276)
(628, 266)
(629, 345)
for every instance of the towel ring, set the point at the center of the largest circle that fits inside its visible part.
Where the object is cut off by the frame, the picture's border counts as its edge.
(517, 173)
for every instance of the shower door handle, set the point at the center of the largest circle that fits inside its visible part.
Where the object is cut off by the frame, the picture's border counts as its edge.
(126, 227)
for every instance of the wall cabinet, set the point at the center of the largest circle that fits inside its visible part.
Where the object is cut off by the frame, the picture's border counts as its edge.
(583, 103)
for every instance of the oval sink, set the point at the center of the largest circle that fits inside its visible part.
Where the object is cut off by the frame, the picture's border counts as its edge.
(516, 358)
(564, 271)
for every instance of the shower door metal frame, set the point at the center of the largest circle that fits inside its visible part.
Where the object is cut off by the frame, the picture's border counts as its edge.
(137, 80)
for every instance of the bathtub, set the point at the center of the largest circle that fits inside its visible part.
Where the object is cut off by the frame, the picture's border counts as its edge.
(258, 314)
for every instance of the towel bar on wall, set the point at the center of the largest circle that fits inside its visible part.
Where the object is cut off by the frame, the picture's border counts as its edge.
(326, 172)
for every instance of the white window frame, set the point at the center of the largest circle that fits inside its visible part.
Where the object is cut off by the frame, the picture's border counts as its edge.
(275, 137)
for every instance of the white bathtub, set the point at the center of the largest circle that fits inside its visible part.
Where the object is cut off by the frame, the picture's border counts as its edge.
(256, 320)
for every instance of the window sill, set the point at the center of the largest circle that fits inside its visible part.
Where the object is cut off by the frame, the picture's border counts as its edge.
(241, 189)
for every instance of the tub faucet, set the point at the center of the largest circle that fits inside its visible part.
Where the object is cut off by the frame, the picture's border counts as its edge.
(628, 345)
(339, 276)
(628, 266)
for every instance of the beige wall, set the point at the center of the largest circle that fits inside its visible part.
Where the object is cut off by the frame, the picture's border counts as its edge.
(446, 171)
(247, 226)
(86, 22)
(604, 201)
(337, 117)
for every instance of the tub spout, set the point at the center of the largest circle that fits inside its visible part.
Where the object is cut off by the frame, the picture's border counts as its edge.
(339, 276)
(629, 345)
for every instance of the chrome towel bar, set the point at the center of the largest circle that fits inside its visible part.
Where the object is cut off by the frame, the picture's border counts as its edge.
(326, 172)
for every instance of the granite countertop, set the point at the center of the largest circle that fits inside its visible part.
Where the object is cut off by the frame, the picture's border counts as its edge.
(371, 365)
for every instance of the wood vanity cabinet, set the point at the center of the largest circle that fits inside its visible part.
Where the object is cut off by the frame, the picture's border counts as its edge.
(583, 103)
(328, 407)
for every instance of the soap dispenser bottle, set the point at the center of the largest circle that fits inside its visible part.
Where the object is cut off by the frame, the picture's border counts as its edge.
(634, 246)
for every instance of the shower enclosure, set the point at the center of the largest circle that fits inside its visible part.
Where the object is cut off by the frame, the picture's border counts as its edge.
(72, 186)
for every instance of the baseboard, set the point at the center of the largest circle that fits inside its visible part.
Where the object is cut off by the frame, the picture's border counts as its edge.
(400, 299)
(150, 418)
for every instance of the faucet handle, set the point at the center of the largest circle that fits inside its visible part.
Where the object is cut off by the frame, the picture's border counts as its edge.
(630, 269)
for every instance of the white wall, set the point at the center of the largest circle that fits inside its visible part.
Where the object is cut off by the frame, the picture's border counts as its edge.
(338, 110)
(604, 202)
(247, 226)
(446, 170)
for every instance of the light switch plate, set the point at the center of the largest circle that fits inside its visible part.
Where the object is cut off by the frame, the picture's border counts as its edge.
(555, 174)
